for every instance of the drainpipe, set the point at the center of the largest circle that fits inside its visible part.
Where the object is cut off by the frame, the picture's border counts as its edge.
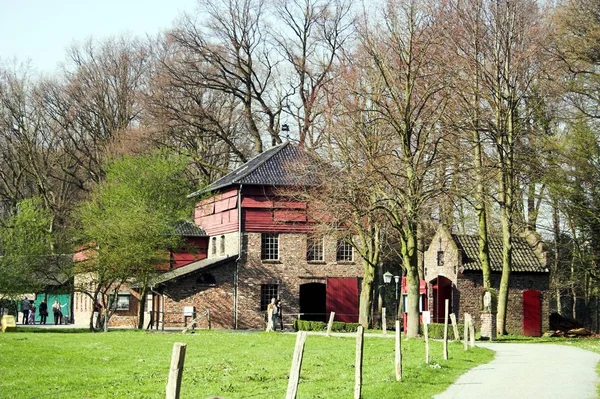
(237, 261)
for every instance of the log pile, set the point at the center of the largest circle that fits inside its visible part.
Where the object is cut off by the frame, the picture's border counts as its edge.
(561, 326)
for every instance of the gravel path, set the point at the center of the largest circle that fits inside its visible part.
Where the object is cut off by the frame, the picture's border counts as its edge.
(530, 371)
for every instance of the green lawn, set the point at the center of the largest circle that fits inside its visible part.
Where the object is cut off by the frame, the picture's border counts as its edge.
(135, 364)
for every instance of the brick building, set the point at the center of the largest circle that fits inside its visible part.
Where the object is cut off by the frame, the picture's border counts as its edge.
(259, 245)
(453, 271)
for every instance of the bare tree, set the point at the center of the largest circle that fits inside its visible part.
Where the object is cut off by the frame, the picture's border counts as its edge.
(310, 36)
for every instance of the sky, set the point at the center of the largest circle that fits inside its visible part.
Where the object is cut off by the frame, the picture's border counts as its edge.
(39, 31)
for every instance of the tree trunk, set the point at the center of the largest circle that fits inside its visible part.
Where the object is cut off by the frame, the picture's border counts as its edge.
(366, 294)
(142, 307)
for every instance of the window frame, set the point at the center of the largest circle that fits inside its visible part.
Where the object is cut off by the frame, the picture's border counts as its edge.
(315, 249)
(342, 250)
(269, 247)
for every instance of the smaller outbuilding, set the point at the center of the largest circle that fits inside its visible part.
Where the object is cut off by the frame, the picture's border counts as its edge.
(453, 272)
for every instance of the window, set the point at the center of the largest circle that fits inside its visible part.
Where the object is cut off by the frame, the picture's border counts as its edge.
(267, 291)
(314, 249)
(121, 302)
(222, 248)
(344, 251)
(440, 258)
(269, 246)
(214, 245)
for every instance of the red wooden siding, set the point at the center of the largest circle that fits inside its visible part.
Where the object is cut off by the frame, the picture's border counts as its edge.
(532, 313)
(342, 298)
(218, 214)
(196, 249)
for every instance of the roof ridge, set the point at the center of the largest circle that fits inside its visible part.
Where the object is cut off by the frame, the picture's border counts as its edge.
(268, 154)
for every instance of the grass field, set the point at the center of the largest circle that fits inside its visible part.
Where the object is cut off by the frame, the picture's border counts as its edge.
(135, 364)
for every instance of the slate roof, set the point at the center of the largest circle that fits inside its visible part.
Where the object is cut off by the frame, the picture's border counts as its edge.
(278, 166)
(524, 256)
(193, 267)
(187, 228)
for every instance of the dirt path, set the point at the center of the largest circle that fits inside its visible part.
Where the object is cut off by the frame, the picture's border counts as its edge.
(530, 371)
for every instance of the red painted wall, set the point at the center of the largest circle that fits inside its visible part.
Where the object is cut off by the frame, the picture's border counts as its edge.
(262, 211)
(196, 249)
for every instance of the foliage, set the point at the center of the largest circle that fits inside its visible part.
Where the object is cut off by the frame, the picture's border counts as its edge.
(26, 245)
(130, 219)
(258, 367)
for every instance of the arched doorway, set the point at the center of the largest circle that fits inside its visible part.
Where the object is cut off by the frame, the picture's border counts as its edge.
(312, 301)
(442, 290)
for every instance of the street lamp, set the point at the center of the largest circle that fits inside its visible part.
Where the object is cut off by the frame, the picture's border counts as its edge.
(387, 278)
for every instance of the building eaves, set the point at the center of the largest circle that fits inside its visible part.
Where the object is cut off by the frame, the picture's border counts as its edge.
(187, 228)
(192, 268)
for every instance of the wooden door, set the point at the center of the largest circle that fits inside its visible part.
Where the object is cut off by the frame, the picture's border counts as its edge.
(342, 298)
(532, 313)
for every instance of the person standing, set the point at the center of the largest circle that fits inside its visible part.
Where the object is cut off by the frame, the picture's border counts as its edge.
(272, 315)
(32, 310)
(43, 311)
(56, 312)
(279, 314)
(25, 309)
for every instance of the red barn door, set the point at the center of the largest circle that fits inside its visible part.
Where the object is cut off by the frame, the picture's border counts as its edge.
(342, 298)
(532, 313)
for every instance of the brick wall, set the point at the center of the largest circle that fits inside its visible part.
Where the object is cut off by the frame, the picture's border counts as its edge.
(192, 291)
(470, 287)
(289, 272)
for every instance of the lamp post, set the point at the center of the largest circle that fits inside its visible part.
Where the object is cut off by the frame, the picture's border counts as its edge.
(387, 278)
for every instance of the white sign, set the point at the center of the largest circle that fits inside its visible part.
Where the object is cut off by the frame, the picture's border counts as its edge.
(426, 317)
(188, 311)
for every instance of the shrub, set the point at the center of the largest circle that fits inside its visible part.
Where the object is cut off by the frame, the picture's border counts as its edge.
(436, 330)
(337, 326)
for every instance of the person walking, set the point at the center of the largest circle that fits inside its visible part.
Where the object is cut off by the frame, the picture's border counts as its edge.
(25, 305)
(279, 314)
(57, 313)
(43, 311)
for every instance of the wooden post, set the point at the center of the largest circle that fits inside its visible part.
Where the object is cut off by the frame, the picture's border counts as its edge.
(330, 324)
(467, 318)
(447, 303)
(426, 332)
(455, 327)
(292, 388)
(471, 332)
(176, 371)
(398, 352)
(383, 322)
(358, 362)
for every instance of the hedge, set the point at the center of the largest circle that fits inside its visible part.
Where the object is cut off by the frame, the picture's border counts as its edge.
(337, 326)
(436, 330)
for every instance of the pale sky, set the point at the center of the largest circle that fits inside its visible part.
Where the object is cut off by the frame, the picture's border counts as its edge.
(39, 31)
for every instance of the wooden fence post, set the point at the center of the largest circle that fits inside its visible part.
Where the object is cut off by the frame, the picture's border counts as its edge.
(360, 333)
(467, 319)
(176, 371)
(426, 332)
(447, 303)
(455, 327)
(292, 388)
(330, 324)
(471, 332)
(383, 322)
(398, 352)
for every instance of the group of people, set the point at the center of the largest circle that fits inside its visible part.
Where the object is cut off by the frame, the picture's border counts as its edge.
(274, 315)
(29, 309)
